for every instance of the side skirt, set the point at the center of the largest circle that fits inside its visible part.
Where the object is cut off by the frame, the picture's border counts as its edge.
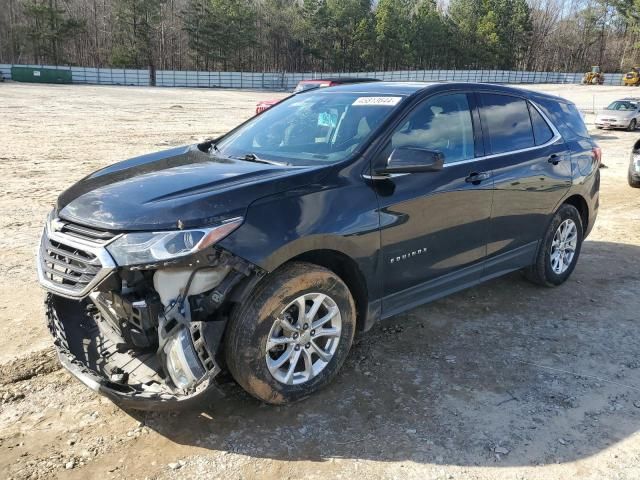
(431, 290)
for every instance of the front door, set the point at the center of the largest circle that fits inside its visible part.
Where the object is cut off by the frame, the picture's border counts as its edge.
(434, 226)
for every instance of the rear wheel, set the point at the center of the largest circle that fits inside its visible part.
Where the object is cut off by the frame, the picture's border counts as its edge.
(293, 335)
(559, 249)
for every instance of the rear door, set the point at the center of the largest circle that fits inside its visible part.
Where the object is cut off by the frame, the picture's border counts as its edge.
(434, 225)
(531, 167)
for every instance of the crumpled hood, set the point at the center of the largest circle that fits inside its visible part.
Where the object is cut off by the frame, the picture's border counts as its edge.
(185, 184)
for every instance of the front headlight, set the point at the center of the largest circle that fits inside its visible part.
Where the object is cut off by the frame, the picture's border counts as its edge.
(148, 247)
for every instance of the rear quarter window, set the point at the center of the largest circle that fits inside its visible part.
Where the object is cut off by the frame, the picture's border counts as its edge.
(565, 116)
(542, 133)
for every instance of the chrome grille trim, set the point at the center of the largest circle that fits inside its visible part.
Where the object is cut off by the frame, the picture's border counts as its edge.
(72, 265)
(86, 232)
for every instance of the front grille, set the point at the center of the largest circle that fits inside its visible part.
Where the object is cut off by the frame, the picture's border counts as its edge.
(72, 258)
(69, 267)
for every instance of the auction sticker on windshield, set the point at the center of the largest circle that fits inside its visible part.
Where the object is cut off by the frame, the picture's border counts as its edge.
(389, 101)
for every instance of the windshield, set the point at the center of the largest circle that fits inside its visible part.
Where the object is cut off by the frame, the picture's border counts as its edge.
(622, 105)
(314, 127)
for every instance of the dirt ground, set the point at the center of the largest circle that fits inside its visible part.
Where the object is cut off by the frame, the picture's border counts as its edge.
(502, 381)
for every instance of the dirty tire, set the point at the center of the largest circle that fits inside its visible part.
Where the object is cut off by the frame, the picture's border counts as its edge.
(251, 322)
(541, 272)
(633, 124)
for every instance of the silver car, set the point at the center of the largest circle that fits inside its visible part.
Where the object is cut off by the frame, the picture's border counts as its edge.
(624, 113)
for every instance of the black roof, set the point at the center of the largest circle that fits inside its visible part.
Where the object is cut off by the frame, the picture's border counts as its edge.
(341, 79)
(410, 88)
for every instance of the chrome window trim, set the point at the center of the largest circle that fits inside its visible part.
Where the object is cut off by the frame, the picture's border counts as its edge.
(554, 139)
(98, 249)
(384, 176)
(556, 136)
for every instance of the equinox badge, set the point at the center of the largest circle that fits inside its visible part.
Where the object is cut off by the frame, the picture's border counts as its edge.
(405, 256)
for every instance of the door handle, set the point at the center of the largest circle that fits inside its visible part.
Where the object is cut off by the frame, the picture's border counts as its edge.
(554, 159)
(477, 177)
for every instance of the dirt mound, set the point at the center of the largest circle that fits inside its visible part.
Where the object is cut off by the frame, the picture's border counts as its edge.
(40, 362)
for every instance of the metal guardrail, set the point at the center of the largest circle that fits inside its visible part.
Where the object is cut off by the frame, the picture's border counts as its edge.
(287, 81)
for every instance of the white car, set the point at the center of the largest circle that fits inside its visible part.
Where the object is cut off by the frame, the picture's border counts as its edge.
(624, 113)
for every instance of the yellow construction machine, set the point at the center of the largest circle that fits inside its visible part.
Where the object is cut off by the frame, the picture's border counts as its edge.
(594, 77)
(632, 77)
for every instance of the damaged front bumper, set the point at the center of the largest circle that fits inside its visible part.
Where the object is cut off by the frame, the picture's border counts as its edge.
(146, 336)
(88, 356)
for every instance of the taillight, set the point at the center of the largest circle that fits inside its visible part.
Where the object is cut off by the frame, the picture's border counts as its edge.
(597, 155)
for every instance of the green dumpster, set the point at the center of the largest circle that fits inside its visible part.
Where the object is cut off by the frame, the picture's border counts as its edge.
(40, 75)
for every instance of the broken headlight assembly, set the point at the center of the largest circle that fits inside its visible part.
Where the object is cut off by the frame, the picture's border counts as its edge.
(148, 247)
(182, 363)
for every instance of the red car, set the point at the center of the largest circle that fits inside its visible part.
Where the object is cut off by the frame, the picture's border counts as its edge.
(317, 83)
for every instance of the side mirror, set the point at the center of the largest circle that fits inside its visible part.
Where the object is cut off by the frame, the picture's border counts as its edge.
(413, 160)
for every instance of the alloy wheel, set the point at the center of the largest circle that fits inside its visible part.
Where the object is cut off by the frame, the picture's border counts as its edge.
(303, 339)
(563, 247)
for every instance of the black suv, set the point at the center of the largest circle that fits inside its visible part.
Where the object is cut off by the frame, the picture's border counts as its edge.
(262, 252)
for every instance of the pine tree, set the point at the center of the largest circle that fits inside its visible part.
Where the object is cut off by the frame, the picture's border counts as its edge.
(136, 28)
(430, 37)
(198, 24)
(48, 29)
(345, 18)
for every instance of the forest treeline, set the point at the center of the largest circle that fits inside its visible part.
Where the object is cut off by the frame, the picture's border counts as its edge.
(323, 35)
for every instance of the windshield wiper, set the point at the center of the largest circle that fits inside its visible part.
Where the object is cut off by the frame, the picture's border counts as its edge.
(252, 157)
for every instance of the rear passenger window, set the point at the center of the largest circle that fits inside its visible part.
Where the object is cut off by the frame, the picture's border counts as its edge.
(506, 118)
(542, 133)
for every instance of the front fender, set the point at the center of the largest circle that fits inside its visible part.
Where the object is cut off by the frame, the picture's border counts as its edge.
(342, 217)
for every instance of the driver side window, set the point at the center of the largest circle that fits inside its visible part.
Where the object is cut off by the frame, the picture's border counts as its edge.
(443, 124)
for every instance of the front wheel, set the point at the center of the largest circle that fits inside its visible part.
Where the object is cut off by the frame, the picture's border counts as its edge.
(293, 335)
(632, 125)
(559, 249)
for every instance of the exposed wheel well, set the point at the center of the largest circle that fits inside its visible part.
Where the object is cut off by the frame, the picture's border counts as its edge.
(347, 269)
(582, 207)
